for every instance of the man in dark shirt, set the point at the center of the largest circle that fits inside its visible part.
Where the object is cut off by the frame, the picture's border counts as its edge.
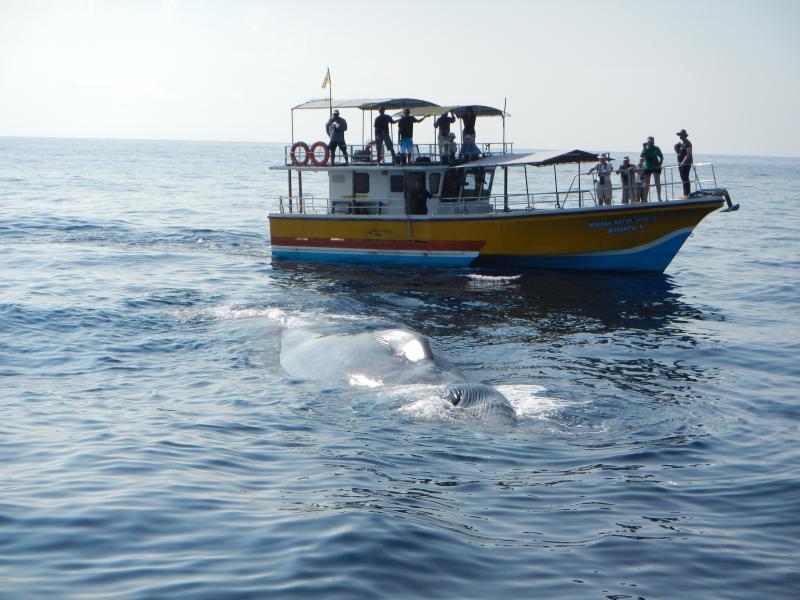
(405, 127)
(419, 199)
(685, 159)
(382, 135)
(469, 151)
(335, 128)
(443, 125)
(626, 175)
(469, 122)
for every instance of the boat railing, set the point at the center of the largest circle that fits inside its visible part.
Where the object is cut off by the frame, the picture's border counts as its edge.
(423, 155)
(703, 180)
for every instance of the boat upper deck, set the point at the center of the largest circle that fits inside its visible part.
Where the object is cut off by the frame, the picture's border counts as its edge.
(441, 150)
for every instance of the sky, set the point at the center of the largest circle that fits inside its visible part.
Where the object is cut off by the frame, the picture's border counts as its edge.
(574, 73)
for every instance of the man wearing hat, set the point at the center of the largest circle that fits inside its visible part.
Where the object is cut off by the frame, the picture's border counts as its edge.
(603, 187)
(684, 151)
(335, 128)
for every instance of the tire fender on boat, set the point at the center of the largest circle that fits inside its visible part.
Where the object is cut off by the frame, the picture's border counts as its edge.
(306, 156)
(313, 154)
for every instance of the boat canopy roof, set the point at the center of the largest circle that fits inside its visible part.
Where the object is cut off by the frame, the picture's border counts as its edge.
(459, 110)
(367, 103)
(536, 159)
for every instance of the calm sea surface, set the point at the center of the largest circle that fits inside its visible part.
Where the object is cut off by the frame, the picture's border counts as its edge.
(151, 445)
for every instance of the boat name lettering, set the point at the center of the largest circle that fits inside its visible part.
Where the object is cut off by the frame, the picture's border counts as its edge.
(625, 225)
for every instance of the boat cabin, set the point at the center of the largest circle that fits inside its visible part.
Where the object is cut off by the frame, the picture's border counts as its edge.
(373, 182)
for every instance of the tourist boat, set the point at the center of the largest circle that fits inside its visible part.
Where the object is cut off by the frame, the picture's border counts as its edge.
(366, 215)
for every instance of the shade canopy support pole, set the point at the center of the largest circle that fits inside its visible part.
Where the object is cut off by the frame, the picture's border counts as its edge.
(301, 208)
(505, 189)
(555, 180)
(289, 172)
(527, 191)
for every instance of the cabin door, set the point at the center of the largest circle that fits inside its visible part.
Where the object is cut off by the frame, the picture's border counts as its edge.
(410, 182)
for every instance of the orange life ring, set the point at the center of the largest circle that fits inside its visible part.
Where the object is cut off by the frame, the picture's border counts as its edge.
(313, 154)
(306, 156)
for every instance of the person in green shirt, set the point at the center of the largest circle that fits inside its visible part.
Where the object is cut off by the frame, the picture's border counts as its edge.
(652, 166)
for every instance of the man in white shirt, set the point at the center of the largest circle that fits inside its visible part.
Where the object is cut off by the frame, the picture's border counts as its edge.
(603, 185)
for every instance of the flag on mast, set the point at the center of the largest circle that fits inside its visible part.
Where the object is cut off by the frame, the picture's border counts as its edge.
(327, 81)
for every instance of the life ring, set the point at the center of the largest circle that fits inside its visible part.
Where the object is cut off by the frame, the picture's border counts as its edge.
(313, 154)
(306, 156)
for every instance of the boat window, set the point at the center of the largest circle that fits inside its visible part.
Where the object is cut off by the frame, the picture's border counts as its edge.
(361, 183)
(488, 177)
(452, 185)
(396, 184)
(471, 184)
(435, 180)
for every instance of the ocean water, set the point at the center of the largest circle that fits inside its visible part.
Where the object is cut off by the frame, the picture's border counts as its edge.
(152, 446)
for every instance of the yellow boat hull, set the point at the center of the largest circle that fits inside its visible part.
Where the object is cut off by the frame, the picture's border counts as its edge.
(633, 237)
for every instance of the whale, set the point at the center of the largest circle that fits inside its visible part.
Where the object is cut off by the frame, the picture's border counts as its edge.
(388, 357)
(481, 401)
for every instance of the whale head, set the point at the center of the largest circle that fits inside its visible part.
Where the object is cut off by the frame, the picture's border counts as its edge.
(482, 401)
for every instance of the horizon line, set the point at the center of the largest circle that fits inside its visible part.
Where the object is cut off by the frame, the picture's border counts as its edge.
(221, 141)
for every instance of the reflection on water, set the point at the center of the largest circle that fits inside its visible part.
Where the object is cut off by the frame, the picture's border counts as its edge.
(553, 302)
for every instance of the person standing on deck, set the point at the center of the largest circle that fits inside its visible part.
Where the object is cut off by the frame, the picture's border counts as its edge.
(653, 159)
(443, 124)
(469, 150)
(335, 128)
(685, 161)
(638, 182)
(405, 128)
(603, 186)
(626, 174)
(449, 149)
(382, 135)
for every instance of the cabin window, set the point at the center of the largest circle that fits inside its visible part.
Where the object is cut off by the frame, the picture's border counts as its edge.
(435, 180)
(452, 184)
(471, 184)
(488, 177)
(396, 184)
(361, 183)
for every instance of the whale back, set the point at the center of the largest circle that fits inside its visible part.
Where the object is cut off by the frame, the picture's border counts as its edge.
(481, 401)
(387, 356)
